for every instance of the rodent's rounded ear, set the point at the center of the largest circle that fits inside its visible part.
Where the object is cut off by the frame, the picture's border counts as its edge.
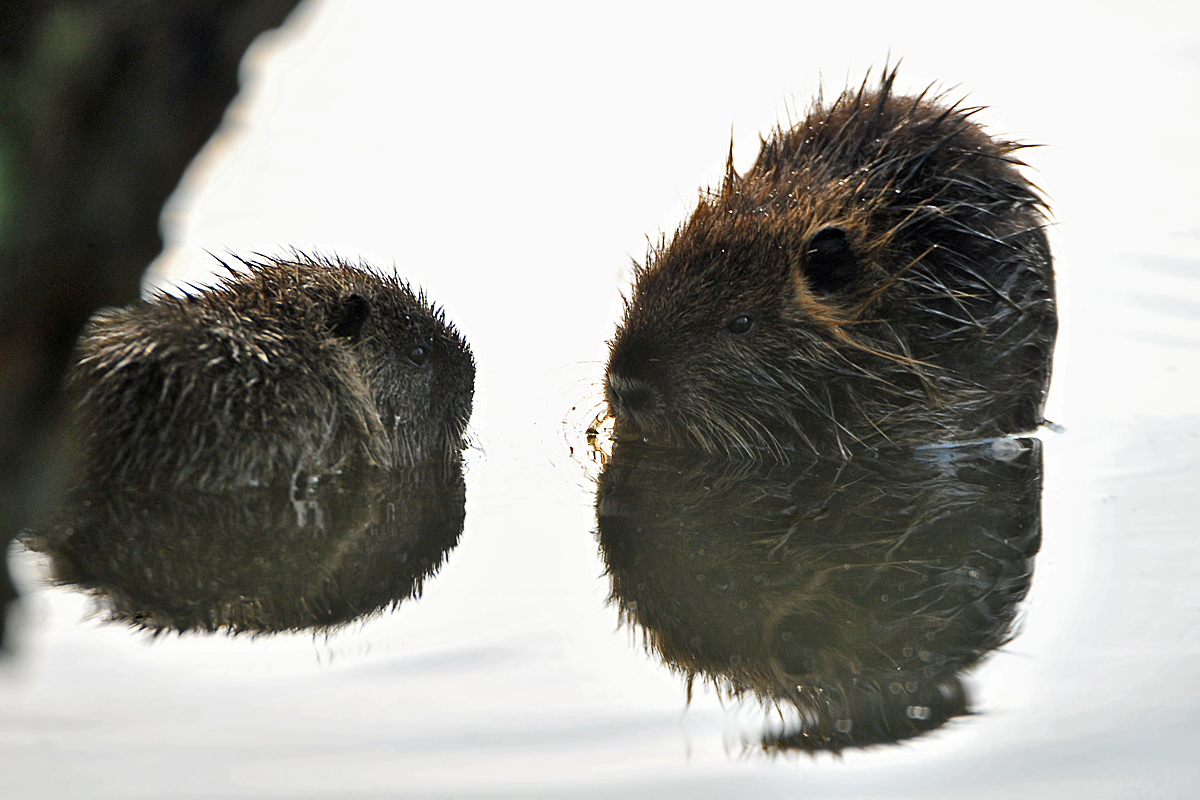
(350, 315)
(829, 263)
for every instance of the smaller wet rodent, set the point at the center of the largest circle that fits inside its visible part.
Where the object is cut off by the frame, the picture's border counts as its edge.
(879, 276)
(287, 366)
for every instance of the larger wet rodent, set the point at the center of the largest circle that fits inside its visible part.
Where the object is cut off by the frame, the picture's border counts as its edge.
(287, 366)
(880, 275)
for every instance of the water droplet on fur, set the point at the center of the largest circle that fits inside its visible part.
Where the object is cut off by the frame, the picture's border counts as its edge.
(1006, 449)
(917, 712)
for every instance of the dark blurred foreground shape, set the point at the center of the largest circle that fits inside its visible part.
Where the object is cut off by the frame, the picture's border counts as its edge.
(847, 595)
(102, 106)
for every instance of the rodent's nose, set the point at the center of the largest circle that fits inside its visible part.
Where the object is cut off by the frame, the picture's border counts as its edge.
(635, 381)
(630, 395)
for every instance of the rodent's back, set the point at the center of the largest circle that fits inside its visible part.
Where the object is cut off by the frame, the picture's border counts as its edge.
(880, 275)
(285, 366)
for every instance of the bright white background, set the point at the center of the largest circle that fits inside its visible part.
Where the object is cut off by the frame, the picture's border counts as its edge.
(512, 159)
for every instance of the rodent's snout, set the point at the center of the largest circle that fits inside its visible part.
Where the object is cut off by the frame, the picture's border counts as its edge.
(634, 380)
(629, 395)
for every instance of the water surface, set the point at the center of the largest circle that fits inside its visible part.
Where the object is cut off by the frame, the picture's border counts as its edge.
(512, 161)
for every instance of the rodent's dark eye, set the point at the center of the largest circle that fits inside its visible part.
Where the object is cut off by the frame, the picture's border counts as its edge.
(829, 261)
(418, 355)
(739, 325)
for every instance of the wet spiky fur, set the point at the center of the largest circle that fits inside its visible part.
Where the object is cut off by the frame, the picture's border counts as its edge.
(289, 365)
(941, 326)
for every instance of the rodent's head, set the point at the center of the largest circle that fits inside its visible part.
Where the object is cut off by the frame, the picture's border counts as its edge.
(418, 369)
(845, 291)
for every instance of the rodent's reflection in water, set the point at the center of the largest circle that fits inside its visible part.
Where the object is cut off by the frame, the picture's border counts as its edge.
(315, 554)
(849, 595)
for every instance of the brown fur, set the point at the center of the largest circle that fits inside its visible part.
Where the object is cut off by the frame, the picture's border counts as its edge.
(880, 275)
(287, 365)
